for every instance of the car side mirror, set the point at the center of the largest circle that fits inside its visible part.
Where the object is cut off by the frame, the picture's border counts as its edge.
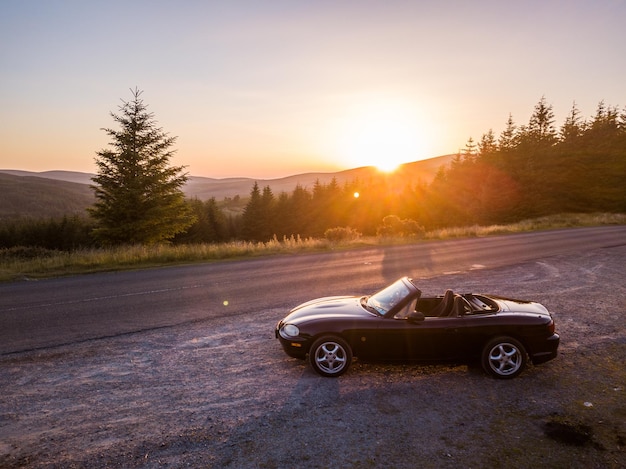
(415, 317)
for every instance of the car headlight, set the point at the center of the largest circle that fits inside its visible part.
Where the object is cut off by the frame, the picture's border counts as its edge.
(289, 330)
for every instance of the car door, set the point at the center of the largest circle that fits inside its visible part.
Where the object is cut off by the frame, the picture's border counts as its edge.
(430, 339)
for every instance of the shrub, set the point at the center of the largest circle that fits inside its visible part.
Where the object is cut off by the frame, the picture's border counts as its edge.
(393, 226)
(341, 234)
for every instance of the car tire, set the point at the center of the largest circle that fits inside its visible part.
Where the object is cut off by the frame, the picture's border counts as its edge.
(504, 357)
(330, 356)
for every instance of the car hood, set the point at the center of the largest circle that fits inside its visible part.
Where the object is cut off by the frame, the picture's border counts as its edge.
(331, 306)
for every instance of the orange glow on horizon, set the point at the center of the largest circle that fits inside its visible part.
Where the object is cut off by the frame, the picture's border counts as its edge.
(380, 132)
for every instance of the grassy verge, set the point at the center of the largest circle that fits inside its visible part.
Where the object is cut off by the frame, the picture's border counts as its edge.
(27, 264)
(567, 220)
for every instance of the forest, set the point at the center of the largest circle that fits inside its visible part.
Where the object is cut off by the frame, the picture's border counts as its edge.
(529, 170)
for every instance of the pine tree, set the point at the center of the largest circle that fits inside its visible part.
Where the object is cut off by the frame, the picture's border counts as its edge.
(508, 138)
(487, 146)
(469, 152)
(605, 126)
(268, 203)
(301, 208)
(251, 217)
(211, 225)
(541, 128)
(573, 127)
(138, 195)
(258, 215)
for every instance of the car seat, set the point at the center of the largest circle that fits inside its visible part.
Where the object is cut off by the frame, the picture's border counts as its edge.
(443, 309)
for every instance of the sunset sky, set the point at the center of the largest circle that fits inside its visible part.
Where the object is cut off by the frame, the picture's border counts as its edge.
(266, 89)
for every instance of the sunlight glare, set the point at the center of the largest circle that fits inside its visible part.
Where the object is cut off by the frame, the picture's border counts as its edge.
(382, 134)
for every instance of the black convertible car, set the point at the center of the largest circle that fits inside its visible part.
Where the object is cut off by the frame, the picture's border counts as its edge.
(398, 324)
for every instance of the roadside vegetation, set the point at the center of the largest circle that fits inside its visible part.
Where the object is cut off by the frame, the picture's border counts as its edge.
(24, 263)
(521, 180)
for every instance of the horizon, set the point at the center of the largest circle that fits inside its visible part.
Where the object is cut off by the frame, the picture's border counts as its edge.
(373, 167)
(268, 91)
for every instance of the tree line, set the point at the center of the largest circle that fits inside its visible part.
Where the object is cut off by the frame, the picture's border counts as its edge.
(529, 170)
(534, 169)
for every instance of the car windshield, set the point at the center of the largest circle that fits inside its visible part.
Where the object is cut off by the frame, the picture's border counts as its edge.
(389, 297)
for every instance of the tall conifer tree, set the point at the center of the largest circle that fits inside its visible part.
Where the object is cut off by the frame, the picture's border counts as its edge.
(138, 195)
(252, 217)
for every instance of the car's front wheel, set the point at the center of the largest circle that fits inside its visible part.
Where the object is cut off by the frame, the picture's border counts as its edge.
(330, 356)
(504, 357)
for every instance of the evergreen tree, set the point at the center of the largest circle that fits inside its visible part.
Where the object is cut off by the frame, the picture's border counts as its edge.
(252, 223)
(301, 210)
(487, 146)
(470, 150)
(508, 137)
(573, 127)
(605, 126)
(210, 226)
(282, 210)
(327, 208)
(620, 120)
(605, 166)
(456, 163)
(268, 214)
(335, 212)
(217, 220)
(540, 133)
(138, 195)
(258, 215)
(541, 128)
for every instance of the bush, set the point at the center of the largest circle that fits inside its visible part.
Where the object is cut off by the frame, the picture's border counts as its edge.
(341, 234)
(392, 226)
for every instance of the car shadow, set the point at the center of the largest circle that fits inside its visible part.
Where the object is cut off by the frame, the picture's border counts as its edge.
(317, 411)
(311, 394)
(413, 261)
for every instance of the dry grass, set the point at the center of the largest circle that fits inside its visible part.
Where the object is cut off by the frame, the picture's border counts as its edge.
(15, 265)
(566, 220)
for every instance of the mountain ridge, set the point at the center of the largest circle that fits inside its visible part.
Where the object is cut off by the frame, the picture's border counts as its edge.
(58, 193)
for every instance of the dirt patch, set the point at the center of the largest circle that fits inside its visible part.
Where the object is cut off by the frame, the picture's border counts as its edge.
(221, 393)
(569, 433)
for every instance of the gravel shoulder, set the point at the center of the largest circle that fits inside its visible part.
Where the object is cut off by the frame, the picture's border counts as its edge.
(221, 393)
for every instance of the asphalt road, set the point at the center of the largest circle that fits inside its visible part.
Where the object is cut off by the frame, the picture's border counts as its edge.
(46, 313)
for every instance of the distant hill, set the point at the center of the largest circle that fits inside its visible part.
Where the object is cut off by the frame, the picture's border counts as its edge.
(204, 188)
(68, 176)
(37, 197)
(58, 193)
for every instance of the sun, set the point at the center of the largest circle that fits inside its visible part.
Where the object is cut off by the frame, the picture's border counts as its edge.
(384, 135)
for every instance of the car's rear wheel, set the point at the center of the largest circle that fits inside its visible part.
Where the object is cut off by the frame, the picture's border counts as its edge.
(504, 357)
(330, 356)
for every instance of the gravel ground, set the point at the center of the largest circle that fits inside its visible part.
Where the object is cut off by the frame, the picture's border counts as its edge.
(221, 393)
